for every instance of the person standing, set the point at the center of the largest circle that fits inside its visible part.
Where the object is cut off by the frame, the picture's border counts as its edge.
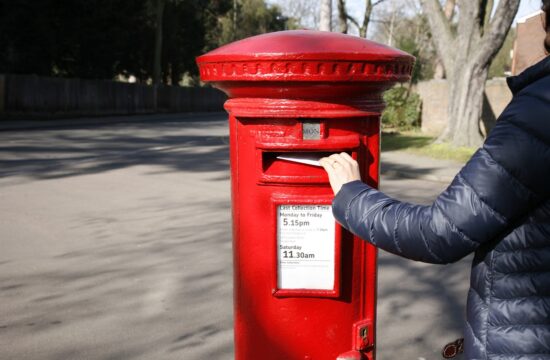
(497, 206)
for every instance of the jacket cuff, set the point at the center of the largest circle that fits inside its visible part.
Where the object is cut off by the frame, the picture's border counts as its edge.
(342, 201)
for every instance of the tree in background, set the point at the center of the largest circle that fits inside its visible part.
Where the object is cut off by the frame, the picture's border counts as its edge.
(77, 38)
(412, 35)
(190, 29)
(107, 38)
(362, 27)
(449, 11)
(467, 49)
(406, 28)
(158, 9)
(502, 64)
(342, 17)
(325, 23)
(252, 17)
(305, 13)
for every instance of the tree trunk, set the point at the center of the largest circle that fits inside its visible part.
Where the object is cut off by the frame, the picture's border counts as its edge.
(392, 24)
(175, 74)
(325, 23)
(234, 20)
(465, 106)
(343, 16)
(467, 50)
(364, 29)
(158, 40)
(449, 10)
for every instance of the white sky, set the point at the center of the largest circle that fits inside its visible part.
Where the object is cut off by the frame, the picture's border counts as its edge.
(357, 7)
(526, 7)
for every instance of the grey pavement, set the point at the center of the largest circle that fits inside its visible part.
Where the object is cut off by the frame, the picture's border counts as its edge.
(421, 307)
(403, 165)
(115, 243)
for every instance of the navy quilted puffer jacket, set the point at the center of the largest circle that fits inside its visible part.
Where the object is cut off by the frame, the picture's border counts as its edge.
(499, 207)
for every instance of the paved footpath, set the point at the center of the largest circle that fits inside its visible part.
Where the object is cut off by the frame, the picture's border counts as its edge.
(421, 307)
(115, 244)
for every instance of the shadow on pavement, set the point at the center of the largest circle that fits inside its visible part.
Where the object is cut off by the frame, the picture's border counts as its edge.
(70, 151)
(398, 171)
(438, 292)
(142, 299)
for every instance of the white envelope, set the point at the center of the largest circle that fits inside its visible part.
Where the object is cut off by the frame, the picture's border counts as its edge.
(302, 158)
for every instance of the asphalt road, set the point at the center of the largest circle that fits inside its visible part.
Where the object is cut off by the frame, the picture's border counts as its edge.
(115, 243)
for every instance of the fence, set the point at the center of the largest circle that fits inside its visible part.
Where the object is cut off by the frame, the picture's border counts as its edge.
(33, 95)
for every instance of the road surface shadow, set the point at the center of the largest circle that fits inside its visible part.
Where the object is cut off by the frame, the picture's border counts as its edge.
(433, 293)
(71, 151)
(142, 299)
(397, 171)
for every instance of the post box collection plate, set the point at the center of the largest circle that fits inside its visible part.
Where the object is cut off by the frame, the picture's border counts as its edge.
(308, 247)
(305, 240)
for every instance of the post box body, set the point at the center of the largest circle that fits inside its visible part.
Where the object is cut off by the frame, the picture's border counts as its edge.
(304, 287)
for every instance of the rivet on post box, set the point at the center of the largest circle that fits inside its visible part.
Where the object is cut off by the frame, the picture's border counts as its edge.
(304, 288)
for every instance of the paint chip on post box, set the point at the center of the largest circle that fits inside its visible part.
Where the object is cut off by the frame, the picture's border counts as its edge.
(306, 250)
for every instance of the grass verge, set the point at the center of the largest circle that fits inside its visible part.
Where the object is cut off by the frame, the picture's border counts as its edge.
(424, 145)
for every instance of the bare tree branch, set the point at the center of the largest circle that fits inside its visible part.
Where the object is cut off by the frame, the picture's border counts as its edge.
(307, 12)
(366, 19)
(497, 30)
(441, 29)
(486, 10)
(159, 16)
(377, 2)
(342, 16)
(449, 9)
(468, 30)
(326, 15)
(353, 21)
(467, 54)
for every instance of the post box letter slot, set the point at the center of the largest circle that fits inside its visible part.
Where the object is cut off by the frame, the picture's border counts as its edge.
(295, 167)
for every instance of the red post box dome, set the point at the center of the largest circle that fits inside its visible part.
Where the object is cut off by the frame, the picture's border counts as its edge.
(304, 65)
(305, 55)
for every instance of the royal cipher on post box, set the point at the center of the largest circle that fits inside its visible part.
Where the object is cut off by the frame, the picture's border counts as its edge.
(304, 287)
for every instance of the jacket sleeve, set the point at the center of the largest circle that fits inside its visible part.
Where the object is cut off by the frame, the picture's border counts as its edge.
(493, 191)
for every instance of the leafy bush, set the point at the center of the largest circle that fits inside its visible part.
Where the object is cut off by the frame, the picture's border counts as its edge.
(402, 109)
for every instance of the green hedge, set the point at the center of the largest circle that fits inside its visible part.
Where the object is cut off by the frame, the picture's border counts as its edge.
(402, 109)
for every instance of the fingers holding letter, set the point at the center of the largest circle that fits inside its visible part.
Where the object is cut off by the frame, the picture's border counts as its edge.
(341, 169)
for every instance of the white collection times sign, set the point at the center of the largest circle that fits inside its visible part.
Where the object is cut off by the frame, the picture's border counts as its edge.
(305, 247)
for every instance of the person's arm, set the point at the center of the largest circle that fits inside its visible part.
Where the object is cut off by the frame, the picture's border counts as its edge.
(483, 201)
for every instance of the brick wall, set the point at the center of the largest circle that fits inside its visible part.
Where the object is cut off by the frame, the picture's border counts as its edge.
(434, 95)
(529, 48)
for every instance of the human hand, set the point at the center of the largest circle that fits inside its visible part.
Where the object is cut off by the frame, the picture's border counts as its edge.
(341, 169)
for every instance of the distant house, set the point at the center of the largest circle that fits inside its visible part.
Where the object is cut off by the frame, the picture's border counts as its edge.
(529, 48)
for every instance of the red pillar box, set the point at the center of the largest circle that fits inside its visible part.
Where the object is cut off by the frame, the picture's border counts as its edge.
(304, 288)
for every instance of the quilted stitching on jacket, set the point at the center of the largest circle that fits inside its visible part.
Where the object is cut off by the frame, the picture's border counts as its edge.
(498, 207)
